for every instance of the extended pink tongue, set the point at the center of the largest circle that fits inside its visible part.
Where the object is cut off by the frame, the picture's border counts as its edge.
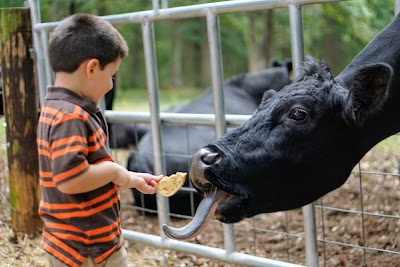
(204, 213)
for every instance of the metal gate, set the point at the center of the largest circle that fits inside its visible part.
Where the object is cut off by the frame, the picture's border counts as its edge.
(220, 120)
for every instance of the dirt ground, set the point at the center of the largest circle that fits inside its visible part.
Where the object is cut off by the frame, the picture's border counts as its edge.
(345, 238)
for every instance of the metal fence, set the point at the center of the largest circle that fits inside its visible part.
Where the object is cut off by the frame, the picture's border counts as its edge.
(312, 236)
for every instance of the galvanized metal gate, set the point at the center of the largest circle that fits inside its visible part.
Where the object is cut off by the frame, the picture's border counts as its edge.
(211, 12)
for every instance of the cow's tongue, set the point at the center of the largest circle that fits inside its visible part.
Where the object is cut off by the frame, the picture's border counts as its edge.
(205, 211)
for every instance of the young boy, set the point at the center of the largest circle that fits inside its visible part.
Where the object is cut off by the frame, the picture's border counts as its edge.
(80, 205)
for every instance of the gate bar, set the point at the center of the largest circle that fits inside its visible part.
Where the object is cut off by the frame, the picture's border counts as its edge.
(310, 229)
(214, 44)
(204, 251)
(173, 118)
(38, 46)
(44, 36)
(199, 10)
(153, 89)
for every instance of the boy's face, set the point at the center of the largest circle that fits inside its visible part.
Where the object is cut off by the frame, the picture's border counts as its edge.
(102, 81)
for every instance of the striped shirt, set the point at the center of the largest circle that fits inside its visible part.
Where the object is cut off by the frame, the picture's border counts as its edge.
(72, 134)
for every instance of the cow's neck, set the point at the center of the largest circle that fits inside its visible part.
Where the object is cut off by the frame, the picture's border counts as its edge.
(385, 47)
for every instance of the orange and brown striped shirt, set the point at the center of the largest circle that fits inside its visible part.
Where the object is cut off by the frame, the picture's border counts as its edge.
(72, 134)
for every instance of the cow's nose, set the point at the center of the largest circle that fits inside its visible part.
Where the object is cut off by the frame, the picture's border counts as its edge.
(209, 157)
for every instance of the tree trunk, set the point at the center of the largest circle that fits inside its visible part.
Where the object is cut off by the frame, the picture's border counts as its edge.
(21, 113)
(268, 40)
(205, 60)
(260, 47)
(331, 44)
(136, 55)
(55, 8)
(177, 50)
(253, 46)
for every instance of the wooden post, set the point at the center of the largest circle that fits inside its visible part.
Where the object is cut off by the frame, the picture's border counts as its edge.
(21, 114)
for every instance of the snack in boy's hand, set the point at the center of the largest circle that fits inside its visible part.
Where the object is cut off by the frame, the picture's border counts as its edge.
(170, 185)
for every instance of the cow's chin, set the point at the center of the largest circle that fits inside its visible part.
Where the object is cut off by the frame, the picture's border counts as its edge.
(232, 209)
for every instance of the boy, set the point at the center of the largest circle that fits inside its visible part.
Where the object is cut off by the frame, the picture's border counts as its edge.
(80, 205)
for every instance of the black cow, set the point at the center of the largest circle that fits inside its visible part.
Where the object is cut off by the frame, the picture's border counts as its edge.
(303, 141)
(242, 93)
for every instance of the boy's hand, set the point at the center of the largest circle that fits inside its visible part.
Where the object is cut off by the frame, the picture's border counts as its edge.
(144, 182)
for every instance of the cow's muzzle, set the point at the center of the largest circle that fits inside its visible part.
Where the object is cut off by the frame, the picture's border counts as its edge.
(201, 160)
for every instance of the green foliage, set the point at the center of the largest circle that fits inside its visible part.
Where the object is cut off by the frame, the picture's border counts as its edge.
(11, 3)
(336, 32)
(281, 35)
(333, 32)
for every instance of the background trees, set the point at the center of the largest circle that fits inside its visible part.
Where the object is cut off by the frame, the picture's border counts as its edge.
(333, 32)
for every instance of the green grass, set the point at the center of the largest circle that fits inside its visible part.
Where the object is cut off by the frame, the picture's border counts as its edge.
(137, 99)
(391, 144)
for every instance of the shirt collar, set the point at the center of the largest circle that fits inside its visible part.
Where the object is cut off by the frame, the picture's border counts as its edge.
(61, 93)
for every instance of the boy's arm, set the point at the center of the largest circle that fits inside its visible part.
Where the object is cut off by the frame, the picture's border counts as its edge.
(96, 176)
(105, 172)
(71, 171)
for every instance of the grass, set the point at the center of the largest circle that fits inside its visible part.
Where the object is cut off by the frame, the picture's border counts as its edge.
(392, 143)
(137, 99)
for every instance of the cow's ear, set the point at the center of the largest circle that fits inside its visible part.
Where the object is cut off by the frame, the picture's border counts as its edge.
(275, 63)
(268, 94)
(289, 65)
(368, 90)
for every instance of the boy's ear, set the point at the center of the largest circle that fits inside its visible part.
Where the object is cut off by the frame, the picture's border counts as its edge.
(91, 66)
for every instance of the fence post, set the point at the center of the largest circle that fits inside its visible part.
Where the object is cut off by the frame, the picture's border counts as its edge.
(310, 229)
(396, 7)
(21, 115)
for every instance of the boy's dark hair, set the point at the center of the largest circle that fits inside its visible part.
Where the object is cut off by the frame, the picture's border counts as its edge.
(83, 36)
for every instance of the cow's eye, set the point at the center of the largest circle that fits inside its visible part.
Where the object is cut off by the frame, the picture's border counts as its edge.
(298, 114)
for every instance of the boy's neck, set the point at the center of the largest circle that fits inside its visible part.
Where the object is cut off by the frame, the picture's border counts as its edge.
(69, 81)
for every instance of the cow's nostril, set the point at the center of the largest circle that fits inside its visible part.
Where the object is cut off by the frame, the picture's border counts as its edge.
(209, 157)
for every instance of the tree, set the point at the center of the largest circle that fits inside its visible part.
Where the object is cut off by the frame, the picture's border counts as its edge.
(260, 46)
(177, 54)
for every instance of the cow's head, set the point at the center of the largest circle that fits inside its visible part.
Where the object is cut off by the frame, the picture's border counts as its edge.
(256, 83)
(300, 144)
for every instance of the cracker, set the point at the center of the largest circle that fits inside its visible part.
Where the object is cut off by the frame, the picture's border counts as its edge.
(170, 185)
